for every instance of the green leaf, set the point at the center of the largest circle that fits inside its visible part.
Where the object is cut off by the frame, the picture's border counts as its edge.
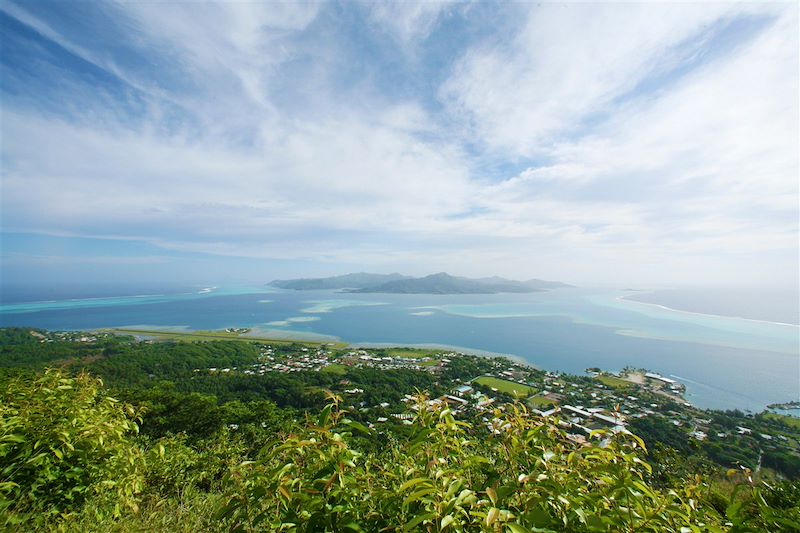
(446, 521)
(361, 428)
(412, 482)
(324, 416)
(417, 495)
(491, 516)
(732, 512)
(418, 520)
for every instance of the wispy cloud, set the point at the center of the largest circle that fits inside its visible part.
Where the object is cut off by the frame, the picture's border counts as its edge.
(654, 142)
(408, 22)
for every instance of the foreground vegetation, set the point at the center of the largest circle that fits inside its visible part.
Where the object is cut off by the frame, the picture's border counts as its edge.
(72, 460)
(180, 450)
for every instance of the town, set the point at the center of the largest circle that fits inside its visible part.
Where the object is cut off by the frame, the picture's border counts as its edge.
(597, 404)
(384, 387)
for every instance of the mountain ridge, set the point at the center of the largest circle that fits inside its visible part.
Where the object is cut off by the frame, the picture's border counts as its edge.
(438, 283)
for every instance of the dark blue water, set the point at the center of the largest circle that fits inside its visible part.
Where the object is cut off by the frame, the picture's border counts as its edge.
(725, 362)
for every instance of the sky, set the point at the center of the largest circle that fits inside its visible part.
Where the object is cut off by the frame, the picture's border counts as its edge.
(639, 144)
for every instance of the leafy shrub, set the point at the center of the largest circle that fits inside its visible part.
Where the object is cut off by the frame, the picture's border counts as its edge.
(189, 512)
(174, 466)
(527, 475)
(70, 460)
(63, 441)
(754, 507)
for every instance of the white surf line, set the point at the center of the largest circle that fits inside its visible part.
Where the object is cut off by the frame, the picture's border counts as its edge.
(680, 378)
(620, 298)
(59, 305)
(102, 298)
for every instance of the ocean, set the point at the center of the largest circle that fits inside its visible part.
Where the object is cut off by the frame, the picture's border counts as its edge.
(726, 362)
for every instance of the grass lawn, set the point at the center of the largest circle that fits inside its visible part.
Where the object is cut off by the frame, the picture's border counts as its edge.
(786, 419)
(195, 336)
(335, 368)
(506, 387)
(539, 402)
(613, 382)
(408, 353)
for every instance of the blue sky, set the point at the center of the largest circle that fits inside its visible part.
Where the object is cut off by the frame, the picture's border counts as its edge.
(632, 144)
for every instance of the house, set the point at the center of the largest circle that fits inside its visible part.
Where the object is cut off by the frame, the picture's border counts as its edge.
(699, 435)
(449, 398)
(462, 390)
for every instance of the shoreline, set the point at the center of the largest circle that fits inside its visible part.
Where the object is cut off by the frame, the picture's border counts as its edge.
(434, 346)
(184, 333)
(521, 347)
(673, 310)
(255, 334)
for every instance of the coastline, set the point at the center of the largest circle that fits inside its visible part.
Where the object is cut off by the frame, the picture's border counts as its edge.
(255, 334)
(165, 333)
(434, 346)
(528, 342)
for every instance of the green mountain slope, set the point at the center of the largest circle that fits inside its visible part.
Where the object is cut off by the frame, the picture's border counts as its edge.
(443, 283)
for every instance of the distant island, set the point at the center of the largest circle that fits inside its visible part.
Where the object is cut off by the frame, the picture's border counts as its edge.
(358, 280)
(441, 283)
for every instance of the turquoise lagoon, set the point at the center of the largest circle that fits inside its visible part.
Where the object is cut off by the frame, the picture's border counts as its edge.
(725, 362)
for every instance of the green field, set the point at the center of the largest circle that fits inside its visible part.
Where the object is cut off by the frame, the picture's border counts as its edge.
(335, 368)
(540, 402)
(408, 353)
(786, 419)
(506, 387)
(199, 335)
(614, 382)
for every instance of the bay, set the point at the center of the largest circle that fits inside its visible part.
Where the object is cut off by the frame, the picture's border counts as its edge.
(725, 362)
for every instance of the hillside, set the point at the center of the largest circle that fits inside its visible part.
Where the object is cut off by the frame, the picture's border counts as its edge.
(443, 283)
(253, 436)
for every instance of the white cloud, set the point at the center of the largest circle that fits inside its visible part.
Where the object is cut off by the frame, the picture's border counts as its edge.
(704, 171)
(28, 260)
(408, 21)
(721, 144)
(679, 182)
(344, 174)
(569, 61)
